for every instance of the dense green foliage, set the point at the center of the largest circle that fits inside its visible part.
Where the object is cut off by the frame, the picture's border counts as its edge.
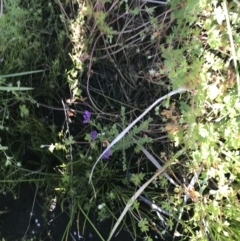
(101, 64)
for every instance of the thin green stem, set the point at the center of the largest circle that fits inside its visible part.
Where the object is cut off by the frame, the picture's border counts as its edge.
(234, 56)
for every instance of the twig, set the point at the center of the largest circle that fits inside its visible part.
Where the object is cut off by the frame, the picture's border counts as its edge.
(35, 172)
(154, 1)
(31, 213)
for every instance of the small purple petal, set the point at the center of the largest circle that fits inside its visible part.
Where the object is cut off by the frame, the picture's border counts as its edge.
(106, 155)
(86, 116)
(93, 135)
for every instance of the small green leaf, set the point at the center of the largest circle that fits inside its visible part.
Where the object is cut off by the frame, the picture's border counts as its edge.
(150, 11)
(65, 178)
(24, 112)
(69, 141)
(143, 225)
(137, 178)
(135, 11)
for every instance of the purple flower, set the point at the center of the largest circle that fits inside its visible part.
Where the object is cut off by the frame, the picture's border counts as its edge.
(86, 117)
(106, 155)
(93, 135)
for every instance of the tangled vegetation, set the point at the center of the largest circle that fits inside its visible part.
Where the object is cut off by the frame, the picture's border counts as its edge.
(76, 75)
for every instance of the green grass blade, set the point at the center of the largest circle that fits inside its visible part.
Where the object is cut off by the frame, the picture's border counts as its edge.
(12, 88)
(20, 74)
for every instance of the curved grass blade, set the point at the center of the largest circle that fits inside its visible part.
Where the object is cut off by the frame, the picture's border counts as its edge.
(124, 132)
